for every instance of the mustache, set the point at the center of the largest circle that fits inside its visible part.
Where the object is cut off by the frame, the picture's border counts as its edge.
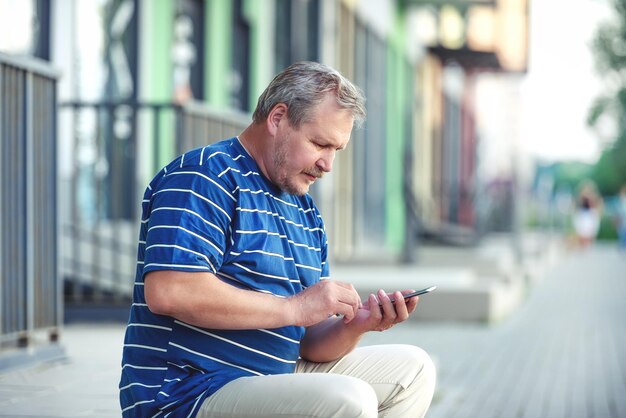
(315, 172)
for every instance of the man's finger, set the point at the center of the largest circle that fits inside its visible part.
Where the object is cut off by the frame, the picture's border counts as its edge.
(389, 311)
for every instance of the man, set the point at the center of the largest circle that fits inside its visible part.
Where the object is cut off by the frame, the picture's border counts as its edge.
(234, 312)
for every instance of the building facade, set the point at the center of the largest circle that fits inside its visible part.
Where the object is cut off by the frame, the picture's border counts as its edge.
(144, 80)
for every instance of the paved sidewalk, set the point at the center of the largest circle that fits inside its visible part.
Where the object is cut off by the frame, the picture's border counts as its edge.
(562, 354)
(83, 385)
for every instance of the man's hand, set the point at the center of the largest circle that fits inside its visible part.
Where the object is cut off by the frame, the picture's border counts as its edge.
(378, 313)
(324, 299)
(333, 338)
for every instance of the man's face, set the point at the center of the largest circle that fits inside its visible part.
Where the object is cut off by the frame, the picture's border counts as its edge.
(303, 155)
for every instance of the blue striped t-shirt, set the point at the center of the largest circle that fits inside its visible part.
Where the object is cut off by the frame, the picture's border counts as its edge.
(212, 210)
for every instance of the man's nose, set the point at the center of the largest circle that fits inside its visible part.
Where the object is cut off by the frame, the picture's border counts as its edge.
(325, 162)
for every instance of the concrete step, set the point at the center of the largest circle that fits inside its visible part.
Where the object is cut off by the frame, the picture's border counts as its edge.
(460, 295)
(493, 262)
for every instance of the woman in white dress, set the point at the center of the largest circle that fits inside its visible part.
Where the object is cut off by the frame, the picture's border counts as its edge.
(587, 215)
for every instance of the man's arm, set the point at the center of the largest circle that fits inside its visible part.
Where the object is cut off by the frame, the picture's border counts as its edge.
(336, 337)
(202, 299)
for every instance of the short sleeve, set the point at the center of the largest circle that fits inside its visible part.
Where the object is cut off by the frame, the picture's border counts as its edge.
(190, 213)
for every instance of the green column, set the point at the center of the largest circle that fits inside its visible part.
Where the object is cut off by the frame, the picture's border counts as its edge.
(157, 70)
(394, 163)
(218, 43)
(158, 42)
(261, 17)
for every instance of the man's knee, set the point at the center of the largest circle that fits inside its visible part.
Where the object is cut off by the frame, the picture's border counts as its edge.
(423, 367)
(415, 384)
(350, 397)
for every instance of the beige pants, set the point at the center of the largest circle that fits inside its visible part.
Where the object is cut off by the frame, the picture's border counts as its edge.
(384, 381)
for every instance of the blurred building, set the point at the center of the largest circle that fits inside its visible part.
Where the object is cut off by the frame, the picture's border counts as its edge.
(144, 80)
(466, 145)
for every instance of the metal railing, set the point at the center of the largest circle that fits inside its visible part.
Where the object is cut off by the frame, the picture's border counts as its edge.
(115, 148)
(30, 296)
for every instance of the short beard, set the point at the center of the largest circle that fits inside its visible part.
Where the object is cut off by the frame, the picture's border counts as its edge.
(283, 182)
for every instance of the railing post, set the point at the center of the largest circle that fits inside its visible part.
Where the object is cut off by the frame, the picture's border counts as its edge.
(2, 198)
(30, 203)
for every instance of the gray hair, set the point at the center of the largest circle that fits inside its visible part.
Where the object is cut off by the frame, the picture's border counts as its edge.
(302, 86)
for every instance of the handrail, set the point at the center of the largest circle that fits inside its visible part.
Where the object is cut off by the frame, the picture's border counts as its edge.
(30, 64)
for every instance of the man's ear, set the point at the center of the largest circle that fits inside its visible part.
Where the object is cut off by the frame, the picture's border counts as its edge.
(276, 115)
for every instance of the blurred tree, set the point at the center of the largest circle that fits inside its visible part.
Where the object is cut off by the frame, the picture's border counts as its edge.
(609, 173)
(568, 175)
(609, 48)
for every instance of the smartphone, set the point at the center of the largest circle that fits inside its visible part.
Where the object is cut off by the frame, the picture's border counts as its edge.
(417, 292)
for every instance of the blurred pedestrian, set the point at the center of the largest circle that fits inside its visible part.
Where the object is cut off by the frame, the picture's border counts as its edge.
(587, 214)
(234, 310)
